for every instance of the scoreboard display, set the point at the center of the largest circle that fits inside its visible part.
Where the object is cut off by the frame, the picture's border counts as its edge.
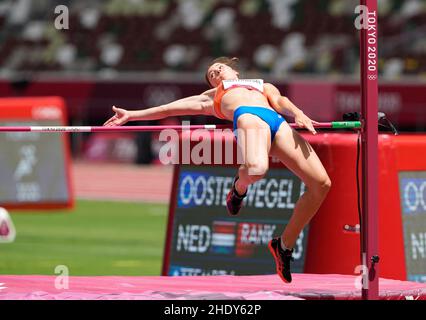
(34, 166)
(412, 185)
(203, 239)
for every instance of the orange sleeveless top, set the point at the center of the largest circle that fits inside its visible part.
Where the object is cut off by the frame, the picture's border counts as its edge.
(220, 92)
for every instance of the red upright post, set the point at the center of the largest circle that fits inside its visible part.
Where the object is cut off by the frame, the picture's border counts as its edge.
(369, 110)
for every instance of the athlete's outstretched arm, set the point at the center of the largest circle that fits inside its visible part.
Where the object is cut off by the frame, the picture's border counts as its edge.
(284, 106)
(199, 104)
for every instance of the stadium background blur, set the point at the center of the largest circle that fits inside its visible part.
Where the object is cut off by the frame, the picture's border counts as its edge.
(142, 53)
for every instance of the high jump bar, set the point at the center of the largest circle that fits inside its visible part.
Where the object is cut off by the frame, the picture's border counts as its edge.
(76, 129)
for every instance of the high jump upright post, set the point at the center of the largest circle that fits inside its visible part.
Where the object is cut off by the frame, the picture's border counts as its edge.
(369, 136)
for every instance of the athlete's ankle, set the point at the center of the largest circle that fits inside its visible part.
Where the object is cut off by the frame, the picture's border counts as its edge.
(241, 191)
(283, 246)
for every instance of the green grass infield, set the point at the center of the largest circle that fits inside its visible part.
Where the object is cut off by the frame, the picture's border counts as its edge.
(95, 238)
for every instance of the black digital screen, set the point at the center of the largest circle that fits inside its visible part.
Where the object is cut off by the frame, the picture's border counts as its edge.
(32, 166)
(412, 188)
(206, 240)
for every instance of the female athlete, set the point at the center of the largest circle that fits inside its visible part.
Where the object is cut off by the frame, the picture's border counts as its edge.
(257, 107)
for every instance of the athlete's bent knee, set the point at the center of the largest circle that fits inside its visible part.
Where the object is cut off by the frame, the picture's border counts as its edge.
(322, 186)
(257, 171)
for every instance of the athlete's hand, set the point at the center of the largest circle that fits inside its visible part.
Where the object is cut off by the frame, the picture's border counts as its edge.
(121, 117)
(303, 121)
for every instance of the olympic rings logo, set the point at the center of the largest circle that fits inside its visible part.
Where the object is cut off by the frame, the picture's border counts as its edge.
(372, 77)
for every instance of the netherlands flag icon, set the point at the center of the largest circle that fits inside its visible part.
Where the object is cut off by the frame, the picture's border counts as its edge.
(223, 237)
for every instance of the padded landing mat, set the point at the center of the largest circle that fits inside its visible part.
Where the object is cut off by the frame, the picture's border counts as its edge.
(264, 287)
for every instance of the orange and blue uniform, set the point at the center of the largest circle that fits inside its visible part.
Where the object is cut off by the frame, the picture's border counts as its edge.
(271, 117)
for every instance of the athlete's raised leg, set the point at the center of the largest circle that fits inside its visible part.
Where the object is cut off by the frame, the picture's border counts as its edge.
(254, 143)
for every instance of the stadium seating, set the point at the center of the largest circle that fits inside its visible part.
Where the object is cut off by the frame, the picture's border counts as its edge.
(271, 36)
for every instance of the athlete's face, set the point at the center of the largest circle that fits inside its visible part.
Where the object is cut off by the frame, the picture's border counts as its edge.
(218, 72)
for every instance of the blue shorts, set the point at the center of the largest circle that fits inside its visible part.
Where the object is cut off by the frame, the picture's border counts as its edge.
(271, 117)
